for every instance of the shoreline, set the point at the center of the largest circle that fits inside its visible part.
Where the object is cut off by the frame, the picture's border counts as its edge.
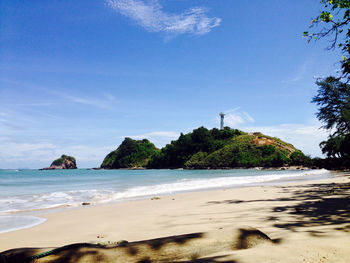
(174, 214)
(279, 181)
(272, 168)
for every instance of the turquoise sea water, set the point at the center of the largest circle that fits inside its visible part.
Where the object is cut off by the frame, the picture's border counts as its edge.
(31, 190)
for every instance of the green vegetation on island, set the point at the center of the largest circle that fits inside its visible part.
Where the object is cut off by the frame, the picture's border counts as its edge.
(64, 162)
(207, 149)
(227, 148)
(130, 154)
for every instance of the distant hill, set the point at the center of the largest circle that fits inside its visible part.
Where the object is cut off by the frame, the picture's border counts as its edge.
(130, 154)
(208, 149)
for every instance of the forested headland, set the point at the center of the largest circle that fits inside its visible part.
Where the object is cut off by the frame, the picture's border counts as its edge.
(207, 149)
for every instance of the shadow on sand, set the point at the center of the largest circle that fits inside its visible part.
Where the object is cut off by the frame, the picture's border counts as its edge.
(309, 206)
(123, 252)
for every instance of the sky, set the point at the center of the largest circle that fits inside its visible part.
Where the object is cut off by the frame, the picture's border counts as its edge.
(77, 77)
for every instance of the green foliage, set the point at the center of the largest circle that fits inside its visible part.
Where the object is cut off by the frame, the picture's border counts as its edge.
(338, 148)
(333, 99)
(242, 152)
(61, 160)
(203, 148)
(298, 158)
(131, 153)
(335, 18)
(332, 147)
(198, 160)
(177, 153)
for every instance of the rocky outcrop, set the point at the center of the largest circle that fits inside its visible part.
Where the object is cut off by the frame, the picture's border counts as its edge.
(64, 162)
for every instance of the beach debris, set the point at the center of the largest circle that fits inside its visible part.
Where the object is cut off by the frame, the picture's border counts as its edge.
(101, 236)
(122, 243)
(155, 198)
(85, 203)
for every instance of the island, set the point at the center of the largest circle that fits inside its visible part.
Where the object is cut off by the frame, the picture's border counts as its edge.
(208, 149)
(64, 162)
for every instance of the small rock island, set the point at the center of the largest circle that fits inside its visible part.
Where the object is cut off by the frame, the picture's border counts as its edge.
(64, 162)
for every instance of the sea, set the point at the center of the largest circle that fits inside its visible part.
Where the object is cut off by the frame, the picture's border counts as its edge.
(24, 194)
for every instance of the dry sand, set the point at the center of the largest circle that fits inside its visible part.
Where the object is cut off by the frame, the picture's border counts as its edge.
(308, 220)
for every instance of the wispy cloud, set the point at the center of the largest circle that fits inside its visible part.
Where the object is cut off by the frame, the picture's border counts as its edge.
(300, 71)
(38, 104)
(150, 16)
(231, 110)
(4, 123)
(159, 138)
(235, 118)
(103, 104)
(109, 97)
(168, 134)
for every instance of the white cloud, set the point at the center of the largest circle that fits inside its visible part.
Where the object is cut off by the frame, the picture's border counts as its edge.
(167, 134)
(149, 15)
(42, 153)
(159, 138)
(248, 117)
(236, 119)
(231, 110)
(233, 120)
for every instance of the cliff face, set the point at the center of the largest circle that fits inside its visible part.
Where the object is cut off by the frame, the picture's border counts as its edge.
(64, 162)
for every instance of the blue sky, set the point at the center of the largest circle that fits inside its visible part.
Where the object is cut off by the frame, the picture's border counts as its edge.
(76, 77)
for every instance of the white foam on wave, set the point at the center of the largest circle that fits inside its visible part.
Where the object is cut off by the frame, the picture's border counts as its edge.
(48, 200)
(75, 198)
(12, 223)
(185, 185)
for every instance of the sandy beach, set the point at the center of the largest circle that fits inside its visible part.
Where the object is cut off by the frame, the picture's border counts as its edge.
(309, 221)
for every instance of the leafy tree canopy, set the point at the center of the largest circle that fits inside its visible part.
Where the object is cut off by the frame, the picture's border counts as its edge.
(131, 153)
(334, 18)
(333, 99)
